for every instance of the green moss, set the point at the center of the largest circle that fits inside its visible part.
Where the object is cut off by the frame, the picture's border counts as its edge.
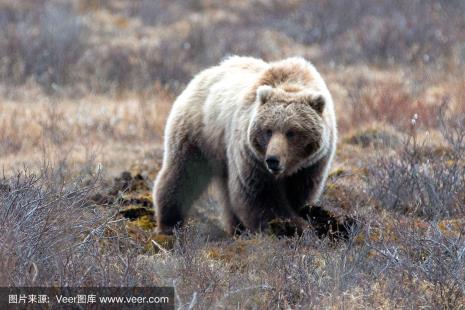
(146, 222)
(336, 173)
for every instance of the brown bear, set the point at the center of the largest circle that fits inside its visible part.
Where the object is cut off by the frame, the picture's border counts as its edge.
(263, 133)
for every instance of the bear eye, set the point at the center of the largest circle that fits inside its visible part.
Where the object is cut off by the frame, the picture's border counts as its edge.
(312, 147)
(290, 134)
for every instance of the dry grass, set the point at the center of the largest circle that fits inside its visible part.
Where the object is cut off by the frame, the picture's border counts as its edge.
(94, 128)
(86, 87)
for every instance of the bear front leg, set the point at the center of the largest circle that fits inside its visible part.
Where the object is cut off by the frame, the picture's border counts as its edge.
(256, 204)
(184, 176)
(232, 224)
(306, 185)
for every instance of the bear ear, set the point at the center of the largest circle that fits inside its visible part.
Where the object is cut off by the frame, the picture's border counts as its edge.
(318, 103)
(264, 93)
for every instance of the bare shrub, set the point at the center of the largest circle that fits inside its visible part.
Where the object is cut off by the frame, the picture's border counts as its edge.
(52, 235)
(418, 263)
(382, 32)
(55, 44)
(411, 271)
(43, 42)
(422, 181)
(443, 265)
(161, 12)
(118, 68)
(383, 103)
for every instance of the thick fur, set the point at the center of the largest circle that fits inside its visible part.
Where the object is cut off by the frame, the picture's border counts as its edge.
(224, 126)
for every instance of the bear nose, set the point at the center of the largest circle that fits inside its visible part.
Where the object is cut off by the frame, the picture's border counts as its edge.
(272, 162)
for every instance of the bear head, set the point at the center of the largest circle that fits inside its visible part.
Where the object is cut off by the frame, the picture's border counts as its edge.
(287, 131)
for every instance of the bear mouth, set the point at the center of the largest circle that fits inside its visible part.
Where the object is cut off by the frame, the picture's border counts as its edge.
(275, 171)
(273, 165)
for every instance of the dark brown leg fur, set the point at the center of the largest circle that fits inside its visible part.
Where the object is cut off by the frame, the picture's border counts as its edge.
(302, 187)
(183, 178)
(232, 224)
(257, 198)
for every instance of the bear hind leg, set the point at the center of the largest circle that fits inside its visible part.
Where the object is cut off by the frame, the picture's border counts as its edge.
(181, 181)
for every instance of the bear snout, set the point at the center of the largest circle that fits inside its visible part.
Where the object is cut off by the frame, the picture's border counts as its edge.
(273, 164)
(276, 153)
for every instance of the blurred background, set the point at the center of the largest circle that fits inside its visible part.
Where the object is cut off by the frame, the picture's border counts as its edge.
(96, 78)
